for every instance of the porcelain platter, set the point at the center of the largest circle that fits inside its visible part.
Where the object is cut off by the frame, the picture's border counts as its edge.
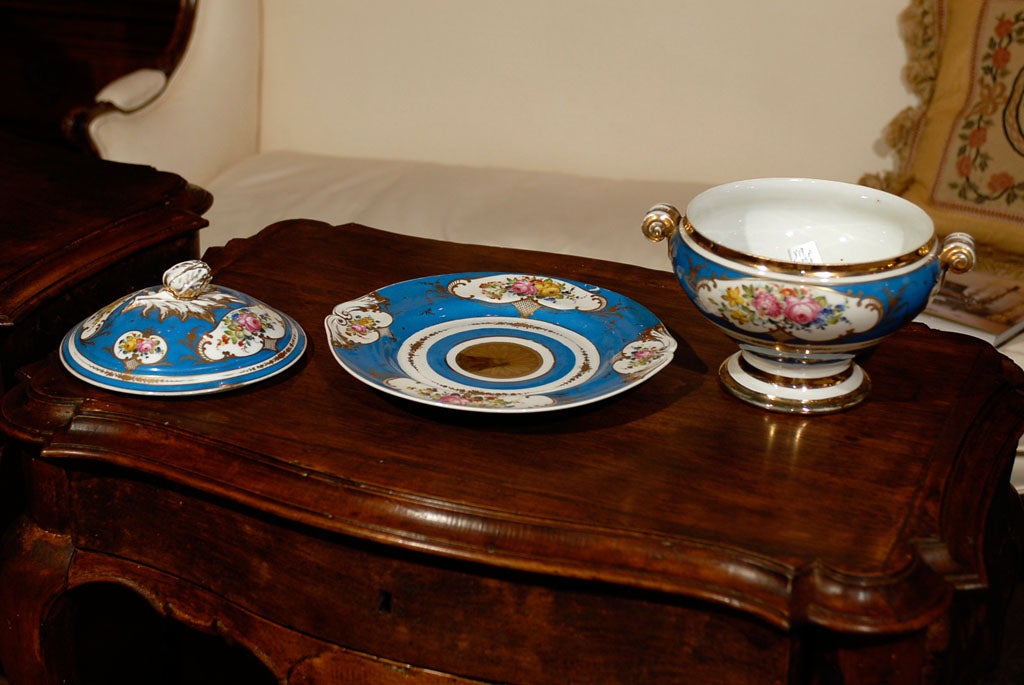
(498, 342)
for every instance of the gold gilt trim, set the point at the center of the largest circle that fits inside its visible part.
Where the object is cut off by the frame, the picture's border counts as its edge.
(796, 383)
(821, 405)
(818, 270)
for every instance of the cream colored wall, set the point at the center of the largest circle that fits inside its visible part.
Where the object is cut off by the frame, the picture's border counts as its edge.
(709, 90)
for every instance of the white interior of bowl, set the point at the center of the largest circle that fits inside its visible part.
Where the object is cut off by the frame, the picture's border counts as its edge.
(812, 221)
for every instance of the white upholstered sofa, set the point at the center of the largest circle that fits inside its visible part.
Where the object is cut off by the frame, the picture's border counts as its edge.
(538, 124)
(544, 124)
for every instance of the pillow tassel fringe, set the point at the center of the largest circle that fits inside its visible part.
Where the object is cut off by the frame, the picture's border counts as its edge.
(919, 30)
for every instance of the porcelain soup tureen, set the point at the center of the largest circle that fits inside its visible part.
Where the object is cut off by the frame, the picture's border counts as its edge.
(804, 274)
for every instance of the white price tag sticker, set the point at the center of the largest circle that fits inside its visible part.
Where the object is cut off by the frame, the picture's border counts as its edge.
(807, 253)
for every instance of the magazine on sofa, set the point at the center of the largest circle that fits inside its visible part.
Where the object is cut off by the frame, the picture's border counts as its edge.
(982, 304)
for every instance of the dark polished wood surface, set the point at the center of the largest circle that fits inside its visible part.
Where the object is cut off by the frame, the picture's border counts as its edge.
(77, 232)
(669, 534)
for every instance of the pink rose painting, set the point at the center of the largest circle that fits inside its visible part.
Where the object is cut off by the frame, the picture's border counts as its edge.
(249, 321)
(145, 345)
(802, 310)
(523, 286)
(767, 304)
(242, 328)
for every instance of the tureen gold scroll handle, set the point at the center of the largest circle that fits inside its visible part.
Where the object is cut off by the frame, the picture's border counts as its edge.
(957, 253)
(188, 280)
(660, 222)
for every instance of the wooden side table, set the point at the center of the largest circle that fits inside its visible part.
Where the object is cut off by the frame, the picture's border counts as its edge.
(669, 534)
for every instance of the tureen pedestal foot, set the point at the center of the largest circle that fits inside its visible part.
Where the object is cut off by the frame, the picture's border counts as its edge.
(795, 386)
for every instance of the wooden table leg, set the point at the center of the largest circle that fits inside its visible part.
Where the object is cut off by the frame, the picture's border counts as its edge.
(33, 574)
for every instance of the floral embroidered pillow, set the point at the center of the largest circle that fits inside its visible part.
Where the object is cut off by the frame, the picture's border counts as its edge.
(963, 157)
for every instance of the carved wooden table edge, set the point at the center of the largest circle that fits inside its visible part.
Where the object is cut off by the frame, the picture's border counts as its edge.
(783, 596)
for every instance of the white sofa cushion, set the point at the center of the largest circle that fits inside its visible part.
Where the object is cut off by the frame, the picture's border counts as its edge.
(563, 213)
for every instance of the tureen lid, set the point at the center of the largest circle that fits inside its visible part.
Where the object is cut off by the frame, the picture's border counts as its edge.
(185, 337)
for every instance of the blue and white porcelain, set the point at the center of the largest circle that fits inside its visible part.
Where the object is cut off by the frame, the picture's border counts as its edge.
(498, 342)
(804, 274)
(183, 338)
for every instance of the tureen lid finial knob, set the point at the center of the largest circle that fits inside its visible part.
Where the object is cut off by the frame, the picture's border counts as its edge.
(188, 280)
